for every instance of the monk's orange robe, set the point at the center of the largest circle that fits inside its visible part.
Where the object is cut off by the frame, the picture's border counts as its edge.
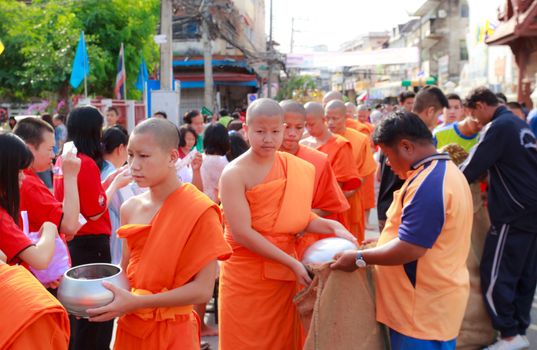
(351, 123)
(327, 195)
(182, 238)
(256, 294)
(365, 165)
(31, 317)
(368, 186)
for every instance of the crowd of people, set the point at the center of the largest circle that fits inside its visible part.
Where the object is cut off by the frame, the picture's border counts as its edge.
(239, 198)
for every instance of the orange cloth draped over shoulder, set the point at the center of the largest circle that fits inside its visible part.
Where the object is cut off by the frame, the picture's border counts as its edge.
(256, 293)
(327, 196)
(31, 317)
(183, 237)
(351, 123)
(341, 158)
(365, 165)
(369, 181)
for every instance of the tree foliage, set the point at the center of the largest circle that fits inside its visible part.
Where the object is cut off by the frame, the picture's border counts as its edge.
(41, 39)
(299, 88)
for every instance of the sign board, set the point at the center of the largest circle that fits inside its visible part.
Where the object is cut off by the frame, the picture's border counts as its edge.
(167, 101)
(251, 98)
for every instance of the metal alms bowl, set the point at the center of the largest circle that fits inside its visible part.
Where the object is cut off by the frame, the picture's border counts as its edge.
(81, 287)
(324, 250)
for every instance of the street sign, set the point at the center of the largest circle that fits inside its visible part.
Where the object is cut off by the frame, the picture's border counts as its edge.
(251, 98)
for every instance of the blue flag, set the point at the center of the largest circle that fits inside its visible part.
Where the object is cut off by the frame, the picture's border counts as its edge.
(143, 76)
(81, 64)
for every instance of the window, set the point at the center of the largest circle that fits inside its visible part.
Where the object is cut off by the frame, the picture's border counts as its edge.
(465, 10)
(463, 51)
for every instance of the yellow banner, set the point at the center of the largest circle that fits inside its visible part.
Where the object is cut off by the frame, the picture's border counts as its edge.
(1, 47)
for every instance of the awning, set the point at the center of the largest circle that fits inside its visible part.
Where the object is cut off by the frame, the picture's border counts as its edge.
(220, 63)
(197, 80)
(201, 84)
(419, 82)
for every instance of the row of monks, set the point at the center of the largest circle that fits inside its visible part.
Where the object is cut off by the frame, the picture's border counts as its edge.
(286, 192)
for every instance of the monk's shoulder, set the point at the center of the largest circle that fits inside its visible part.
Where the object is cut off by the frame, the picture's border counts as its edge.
(339, 141)
(131, 206)
(313, 156)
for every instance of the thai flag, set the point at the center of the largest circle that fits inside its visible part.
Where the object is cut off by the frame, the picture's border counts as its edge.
(120, 90)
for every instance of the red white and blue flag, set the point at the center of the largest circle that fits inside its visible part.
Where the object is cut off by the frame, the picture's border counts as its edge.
(120, 89)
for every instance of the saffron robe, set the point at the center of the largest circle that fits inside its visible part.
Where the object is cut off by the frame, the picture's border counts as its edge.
(31, 317)
(369, 181)
(327, 196)
(182, 238)
(256, 293)
(351, 123)
(365, 165)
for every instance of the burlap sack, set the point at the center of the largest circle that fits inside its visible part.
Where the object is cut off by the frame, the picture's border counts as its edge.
(338, 311)
(476, 330)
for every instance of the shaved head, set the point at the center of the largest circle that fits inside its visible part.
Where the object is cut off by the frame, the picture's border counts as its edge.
(336, 105)
(290, 106)
(164, 132)
(314, 109)
(351, 109)
(331, 96)
(264, 107)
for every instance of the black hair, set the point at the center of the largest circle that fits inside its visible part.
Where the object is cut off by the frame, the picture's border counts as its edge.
(17, 158)
(403, 96)
(216, 140)
(183, 130)
(48, 118)
(162, 113)
(113, 109)
(237, 146)
(501, 97)
(224, 113)
(31, 130)
(84, 128)
(59, 117)
(453, 96)
(514, 105)
(236, 115)
(401, 125)
(483, 95)
(189, 115)
(235, 125)
(113, 137)
(430, 96)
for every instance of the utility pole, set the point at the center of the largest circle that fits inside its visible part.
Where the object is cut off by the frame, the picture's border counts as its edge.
(270, 53)
(166, 49)
(207, 56)
(292, 34)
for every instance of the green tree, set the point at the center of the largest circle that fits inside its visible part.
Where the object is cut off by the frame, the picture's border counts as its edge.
(297, 87)
(41, 41)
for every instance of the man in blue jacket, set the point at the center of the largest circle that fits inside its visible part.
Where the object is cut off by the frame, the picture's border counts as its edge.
(507, 150)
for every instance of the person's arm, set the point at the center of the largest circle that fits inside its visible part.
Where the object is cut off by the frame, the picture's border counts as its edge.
(487, 152)
(198, 291)
(321, 213)
(39, 255)
(71, 203)
(326, 226)
(3, 257)
(238, 214)
(196, 171)
(121, 179)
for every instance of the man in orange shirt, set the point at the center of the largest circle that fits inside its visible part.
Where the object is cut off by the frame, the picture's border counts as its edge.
(363, 160)
(328, 198)
(266, 196)
(173, 235)
(422, 283)
(338, 149)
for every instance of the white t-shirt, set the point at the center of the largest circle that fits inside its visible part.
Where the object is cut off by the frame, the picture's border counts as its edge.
(211, 170)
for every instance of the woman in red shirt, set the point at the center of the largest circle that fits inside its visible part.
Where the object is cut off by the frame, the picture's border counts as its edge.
(92, 242)
(13, 242)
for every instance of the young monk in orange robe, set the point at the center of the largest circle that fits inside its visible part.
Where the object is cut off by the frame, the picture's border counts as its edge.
(365, 127)
(365, 164)
(328, 199)
(173, 236)
(31, 317)
(338, 150)
(266, 196)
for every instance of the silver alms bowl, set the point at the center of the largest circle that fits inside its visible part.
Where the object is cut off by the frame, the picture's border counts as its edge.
(81, 287)
(324, 250)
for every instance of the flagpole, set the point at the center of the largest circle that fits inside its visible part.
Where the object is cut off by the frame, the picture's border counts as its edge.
(85, 69)
(124, 72)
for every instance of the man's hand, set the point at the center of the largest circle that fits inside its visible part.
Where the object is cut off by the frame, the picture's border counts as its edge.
(302, 276)
(70, 165)
(124, 302)
(345, 261)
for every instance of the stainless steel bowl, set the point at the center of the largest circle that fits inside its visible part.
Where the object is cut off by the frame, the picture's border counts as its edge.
(81, 287)
(324, 250)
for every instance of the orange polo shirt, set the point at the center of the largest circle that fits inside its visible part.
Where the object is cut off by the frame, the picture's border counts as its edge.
(426, 299)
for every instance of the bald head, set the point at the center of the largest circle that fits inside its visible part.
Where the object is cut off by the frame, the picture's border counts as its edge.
(164, 132)
(331, 96)
(351, 109)
(314, 109)
(293, 107)
(264, 107)
(336, 106)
